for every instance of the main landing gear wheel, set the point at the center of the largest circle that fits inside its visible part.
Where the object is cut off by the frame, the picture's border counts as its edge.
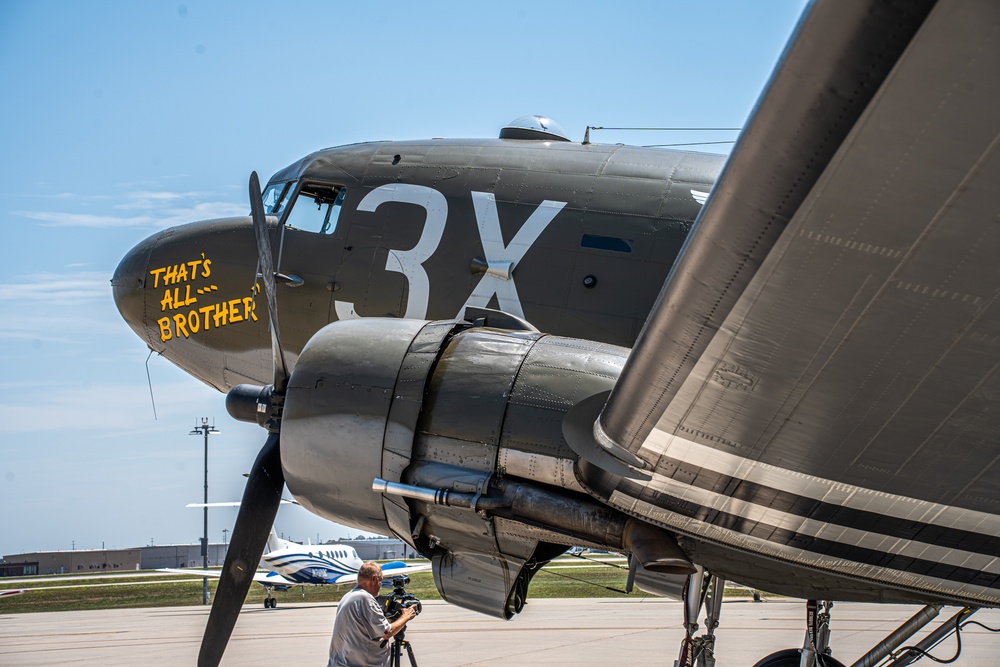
(791, 657)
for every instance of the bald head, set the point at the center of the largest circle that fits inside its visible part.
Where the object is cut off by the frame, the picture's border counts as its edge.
(370, 577)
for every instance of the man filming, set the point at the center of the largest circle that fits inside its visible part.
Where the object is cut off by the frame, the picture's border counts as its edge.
(360, 629)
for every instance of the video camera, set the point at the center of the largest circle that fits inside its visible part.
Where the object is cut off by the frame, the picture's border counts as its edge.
(395, 602)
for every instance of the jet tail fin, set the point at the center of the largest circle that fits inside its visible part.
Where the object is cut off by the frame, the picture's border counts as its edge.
(275, 543)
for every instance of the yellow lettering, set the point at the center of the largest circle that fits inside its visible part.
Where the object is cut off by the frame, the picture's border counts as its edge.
(195, 320)
(164, 324)
(156, 276)
(221, 314)
(248, 308)
(167, 302)
(170, 277)
(204, 312)
(180, 324)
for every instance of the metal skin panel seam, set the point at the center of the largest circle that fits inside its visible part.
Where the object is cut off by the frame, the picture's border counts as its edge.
(401, 425)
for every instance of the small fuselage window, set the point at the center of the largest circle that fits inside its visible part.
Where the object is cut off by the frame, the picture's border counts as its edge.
(606, 243)
(316, 208)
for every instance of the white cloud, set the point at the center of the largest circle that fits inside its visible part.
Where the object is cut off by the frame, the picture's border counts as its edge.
(152, 208)
(59, 308)
(113, 410)
(58, 288)
(58, 219)
(203, 211)
(58, 327)
(152, 200)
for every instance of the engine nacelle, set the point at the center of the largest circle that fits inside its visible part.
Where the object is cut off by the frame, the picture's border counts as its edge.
(463, 427)
(337, 405)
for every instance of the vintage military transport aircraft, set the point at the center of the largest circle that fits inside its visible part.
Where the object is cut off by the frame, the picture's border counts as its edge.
(811, 402)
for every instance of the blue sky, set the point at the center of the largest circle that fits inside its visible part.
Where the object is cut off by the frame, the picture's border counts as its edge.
(120, 118)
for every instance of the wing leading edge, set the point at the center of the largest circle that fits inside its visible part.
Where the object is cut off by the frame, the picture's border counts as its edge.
(263, 578)
(825, 393)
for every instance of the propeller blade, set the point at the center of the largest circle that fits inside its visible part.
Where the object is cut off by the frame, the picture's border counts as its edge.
(266, 263)
(253, 524)
(633, 564)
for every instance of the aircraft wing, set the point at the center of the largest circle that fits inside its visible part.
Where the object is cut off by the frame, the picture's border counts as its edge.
(16, 591)
(395, 568)
(389, 570)
(261, 577)
(817, 384)
(236, 503)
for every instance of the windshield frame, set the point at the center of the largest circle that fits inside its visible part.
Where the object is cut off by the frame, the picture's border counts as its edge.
(280, 205)
(335, 206)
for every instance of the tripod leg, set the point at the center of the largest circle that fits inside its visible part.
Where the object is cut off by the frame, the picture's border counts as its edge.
(394, 654)
(409, 654)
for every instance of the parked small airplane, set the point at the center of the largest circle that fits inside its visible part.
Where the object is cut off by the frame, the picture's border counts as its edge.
(294, 564)
(812, 399)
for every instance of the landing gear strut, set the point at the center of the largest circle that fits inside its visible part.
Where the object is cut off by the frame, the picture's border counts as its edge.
(705, 590)
(815, 651)
(702, 589)
(269, 600)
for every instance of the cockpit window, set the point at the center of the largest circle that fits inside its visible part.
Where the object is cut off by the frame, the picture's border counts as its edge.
(275, 197)
(317, 208)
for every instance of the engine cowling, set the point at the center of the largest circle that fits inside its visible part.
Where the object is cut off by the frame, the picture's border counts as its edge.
(463, 427)
(337, 407)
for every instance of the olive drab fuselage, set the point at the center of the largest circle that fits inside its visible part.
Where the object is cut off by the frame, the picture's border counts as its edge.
(575, 239)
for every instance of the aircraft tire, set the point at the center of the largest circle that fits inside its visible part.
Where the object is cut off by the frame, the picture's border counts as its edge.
(790, 657)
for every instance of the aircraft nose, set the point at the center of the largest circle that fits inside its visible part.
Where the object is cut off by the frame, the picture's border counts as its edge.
(128, 284)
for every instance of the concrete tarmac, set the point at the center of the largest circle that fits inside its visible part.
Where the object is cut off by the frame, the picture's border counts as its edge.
(548, 632)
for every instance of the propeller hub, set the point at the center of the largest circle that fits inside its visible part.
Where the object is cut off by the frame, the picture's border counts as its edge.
(251, 403)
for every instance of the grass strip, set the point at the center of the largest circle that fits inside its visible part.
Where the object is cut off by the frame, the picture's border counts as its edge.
(588, 581)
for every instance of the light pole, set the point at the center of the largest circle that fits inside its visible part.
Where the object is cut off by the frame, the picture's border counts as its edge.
(205, 429)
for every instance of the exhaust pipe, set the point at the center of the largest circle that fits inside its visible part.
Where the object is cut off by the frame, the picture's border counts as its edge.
(653, 547)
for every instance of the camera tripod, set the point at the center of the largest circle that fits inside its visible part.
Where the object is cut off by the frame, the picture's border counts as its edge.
(399, 642)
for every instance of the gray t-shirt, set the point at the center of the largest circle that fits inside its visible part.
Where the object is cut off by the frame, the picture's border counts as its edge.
(358, 630)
